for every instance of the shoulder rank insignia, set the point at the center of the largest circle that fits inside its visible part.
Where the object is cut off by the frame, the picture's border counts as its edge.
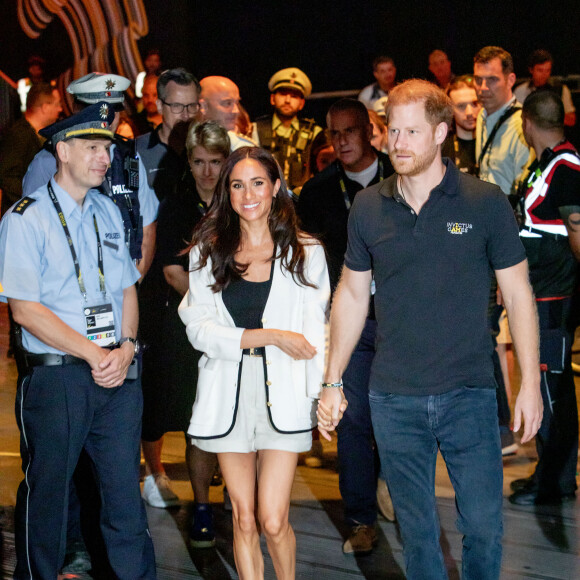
(23, 205)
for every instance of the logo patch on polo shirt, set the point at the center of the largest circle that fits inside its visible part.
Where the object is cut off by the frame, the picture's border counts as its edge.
(458, 228)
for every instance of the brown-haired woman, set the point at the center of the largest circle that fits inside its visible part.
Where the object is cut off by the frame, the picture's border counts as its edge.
(256, 307)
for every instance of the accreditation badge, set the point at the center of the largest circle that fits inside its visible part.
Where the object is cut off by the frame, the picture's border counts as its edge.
(100, 324)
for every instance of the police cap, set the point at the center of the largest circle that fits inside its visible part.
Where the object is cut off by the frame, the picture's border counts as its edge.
(97, 86)
(292, 78)
(93, 121)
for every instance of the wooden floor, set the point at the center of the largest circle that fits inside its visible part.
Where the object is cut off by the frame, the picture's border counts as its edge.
(539, 543)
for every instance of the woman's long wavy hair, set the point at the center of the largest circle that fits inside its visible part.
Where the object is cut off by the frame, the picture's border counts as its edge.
(218, 235)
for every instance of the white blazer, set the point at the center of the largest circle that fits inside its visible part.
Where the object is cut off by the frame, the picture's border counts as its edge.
(291, 386)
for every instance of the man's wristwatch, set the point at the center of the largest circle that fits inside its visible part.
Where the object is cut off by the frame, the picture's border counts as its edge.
(134, 341)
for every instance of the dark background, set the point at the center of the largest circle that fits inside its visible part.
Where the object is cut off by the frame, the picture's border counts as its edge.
(333, 42)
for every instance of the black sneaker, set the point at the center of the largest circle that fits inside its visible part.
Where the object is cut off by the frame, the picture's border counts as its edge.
(523, 483)
(201, 532)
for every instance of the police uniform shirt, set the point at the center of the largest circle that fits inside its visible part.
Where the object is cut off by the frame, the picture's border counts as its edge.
(36, 262)
(43, 167)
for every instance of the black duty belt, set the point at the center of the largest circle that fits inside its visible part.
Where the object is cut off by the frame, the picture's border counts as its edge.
(52, 360)
(256, 351)
(57, 360)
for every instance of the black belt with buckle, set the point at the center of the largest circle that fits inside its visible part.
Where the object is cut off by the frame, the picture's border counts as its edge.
(57, 360)
(52, 360)
(256, 351)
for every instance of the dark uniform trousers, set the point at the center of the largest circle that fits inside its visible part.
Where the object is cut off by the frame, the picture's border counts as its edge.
(557, 438)
(60, 410)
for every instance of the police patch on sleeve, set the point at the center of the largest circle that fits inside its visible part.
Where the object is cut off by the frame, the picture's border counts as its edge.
(23, 205)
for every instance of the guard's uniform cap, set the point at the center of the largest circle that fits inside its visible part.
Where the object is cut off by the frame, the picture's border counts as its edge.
(97, 86)
(292, 78)
(93, 121)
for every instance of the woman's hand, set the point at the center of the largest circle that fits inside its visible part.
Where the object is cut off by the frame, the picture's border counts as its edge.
(331, 407)
(294, 345)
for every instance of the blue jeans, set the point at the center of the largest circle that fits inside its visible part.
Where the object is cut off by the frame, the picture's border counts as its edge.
(462, 424)
(358, 463)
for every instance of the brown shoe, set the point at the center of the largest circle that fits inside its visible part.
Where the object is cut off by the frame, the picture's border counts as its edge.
(361, 540)
(384, 501)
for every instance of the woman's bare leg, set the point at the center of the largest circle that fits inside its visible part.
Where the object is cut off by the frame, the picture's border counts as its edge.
(276, 470)
(239, 472)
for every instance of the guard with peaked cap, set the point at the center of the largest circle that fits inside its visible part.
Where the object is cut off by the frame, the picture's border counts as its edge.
(125, 182)
(70, 282)
(97, 86)
(288, 137)
(94, 121)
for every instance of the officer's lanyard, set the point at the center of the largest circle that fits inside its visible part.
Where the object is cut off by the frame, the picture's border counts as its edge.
(456, 147)
(343, 185)
(69, 239)
(487, 147)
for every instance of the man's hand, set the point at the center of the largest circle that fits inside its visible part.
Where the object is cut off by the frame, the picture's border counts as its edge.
(529, 407)
(331, 407)
(112, 369)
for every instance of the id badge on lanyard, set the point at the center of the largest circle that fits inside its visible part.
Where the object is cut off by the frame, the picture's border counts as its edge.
(100, 322)
(99, 319)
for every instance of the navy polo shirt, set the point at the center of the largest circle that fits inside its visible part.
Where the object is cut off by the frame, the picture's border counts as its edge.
(433, 273)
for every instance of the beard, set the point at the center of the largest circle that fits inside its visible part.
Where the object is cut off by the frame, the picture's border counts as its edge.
(417, 164)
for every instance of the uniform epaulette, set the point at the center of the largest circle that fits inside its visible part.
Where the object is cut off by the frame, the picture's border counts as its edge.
(23, 204)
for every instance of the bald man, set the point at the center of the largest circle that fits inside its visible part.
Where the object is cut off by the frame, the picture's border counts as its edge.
(220, 102)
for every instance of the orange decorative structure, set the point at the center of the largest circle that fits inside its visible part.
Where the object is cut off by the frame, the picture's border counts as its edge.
(103, 34)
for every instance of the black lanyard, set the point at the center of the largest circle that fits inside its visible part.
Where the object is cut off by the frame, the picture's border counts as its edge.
(343, 185)
(72, 248)
(489, 142)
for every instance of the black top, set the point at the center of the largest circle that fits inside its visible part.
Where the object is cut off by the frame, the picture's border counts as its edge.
(246, 300)
(179, 213)
(461, 152)
(432, 273)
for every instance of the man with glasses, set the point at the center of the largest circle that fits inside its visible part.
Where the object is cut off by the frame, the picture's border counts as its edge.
(178, 103)
(162, 151)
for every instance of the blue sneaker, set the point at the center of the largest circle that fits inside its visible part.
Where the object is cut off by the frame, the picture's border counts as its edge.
(201, 532)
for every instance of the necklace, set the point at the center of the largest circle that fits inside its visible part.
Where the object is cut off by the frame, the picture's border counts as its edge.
(400, 187)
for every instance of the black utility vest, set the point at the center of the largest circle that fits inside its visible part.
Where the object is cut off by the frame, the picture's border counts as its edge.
(122, 186)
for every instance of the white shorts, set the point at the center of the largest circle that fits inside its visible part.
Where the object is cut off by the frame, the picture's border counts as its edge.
(253, 430)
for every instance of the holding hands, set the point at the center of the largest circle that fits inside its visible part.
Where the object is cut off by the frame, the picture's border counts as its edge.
(331, 407)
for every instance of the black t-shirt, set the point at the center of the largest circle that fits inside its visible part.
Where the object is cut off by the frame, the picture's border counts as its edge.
(463, 156)
(323, 211)
(432, 275)
(179, 213)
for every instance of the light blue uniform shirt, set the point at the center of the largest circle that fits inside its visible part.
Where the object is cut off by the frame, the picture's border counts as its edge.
(36, 263)
(43, 167)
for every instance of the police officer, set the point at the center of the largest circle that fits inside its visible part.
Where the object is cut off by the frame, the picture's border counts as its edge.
(126, 181)
(70, 282)
(288, 137)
